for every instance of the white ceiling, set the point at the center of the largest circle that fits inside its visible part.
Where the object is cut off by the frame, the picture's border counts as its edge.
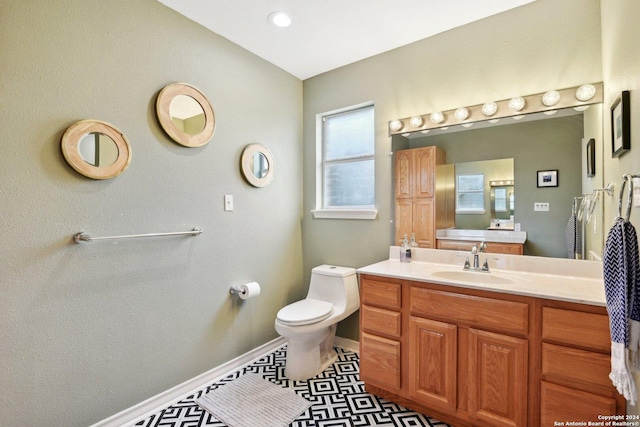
(327, 34)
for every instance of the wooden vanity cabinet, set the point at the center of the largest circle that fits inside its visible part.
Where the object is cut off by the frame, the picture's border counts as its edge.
(576, 363)
(478, 358)
(420, 196)
(492, 247)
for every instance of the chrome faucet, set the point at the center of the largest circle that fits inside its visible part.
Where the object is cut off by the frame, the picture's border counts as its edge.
(475, 251)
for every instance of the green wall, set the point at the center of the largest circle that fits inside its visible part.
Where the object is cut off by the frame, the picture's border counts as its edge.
(89, 330)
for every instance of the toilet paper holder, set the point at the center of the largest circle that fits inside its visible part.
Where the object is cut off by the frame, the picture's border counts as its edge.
(248, 290)
(236, 290)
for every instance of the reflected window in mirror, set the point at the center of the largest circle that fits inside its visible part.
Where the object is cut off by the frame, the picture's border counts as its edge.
(96, 149)
(257, 165)
(470, 194)
(185, 114)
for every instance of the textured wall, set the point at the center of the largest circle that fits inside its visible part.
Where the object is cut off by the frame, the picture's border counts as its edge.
(544, 45)
(89, 330)
(621, 71)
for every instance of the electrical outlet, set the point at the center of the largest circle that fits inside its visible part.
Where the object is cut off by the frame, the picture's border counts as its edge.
(228, 202)
(541, 207)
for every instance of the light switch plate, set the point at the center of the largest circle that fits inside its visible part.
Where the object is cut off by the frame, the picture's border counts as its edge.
(541, 207)
(228, 202)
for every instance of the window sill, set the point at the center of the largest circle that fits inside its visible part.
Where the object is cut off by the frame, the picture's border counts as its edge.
(345, 213)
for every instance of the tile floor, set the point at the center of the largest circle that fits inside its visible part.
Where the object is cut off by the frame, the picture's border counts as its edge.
(337, 394)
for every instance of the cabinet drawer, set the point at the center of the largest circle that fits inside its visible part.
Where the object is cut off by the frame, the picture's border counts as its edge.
(569, 327)
(471, 310)
(381, 366)
(580, 369)
(381, 321)
(560, 403)
(381, 293)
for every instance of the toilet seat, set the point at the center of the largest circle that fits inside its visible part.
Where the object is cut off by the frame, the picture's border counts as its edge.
(305, 312)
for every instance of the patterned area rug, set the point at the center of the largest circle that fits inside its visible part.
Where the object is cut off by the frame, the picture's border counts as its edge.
(251, 401)
(337, 396)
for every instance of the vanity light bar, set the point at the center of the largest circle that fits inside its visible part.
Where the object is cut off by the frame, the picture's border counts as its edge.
(577, 96)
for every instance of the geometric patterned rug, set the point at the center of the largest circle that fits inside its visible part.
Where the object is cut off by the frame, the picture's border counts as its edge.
(337, 395)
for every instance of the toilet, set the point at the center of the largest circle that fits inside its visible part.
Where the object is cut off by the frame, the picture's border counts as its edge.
(310, 324)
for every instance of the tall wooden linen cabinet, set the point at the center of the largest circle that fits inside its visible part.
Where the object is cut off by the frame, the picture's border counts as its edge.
(424, 199)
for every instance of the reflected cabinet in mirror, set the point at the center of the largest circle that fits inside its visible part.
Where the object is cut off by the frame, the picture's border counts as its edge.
(525, 146)
(257, 165)
(96, 149)
(185, 114)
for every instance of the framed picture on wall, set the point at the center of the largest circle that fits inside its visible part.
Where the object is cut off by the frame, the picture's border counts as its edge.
(548, 178)
(591, 157)
(620, 125)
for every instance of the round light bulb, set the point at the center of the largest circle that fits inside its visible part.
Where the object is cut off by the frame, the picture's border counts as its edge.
(517, 103)
(416, 121)
(461, 114)
(585, 92)
(467, 125)
(551, 98)
(437, 117)
(489, 109)
(395, 125)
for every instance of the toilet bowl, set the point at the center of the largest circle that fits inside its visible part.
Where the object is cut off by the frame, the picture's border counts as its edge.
(310, 324)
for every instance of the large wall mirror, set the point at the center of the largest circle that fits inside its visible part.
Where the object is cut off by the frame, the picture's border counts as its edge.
(532, 142)
(257, 165)
(185, 114)
(96, 149)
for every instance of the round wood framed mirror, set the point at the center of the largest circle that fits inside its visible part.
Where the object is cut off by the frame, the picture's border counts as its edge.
(96, 149)
(257, 165)
(185, 114)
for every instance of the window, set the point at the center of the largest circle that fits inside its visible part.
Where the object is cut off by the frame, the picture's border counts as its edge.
(500, 199)
(470, 194)
(345, 174)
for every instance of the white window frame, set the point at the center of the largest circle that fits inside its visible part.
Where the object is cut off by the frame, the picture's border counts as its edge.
(347, 212)
(472, 211)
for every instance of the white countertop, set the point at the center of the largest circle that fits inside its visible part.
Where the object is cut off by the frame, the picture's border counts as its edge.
(576, 281)
(492, 235)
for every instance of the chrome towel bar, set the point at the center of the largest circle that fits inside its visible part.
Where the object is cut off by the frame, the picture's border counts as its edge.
(83, 237)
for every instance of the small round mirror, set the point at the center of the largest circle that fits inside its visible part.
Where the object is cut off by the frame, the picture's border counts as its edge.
(96, 149)
(257, 165)
(185, 114)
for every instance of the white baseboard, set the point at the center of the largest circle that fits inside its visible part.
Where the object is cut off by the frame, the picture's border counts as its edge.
(129, 417)
(142, 410)
(347, 344)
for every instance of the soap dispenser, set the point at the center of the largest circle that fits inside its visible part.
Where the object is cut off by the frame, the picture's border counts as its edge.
(405, 250)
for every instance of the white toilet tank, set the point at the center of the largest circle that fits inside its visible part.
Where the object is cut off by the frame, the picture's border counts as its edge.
(337, 285)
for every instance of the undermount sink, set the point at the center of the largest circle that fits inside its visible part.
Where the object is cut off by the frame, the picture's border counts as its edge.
(473, 277)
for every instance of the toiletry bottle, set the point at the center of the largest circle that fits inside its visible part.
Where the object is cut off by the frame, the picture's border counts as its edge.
(405, 250)
(413, 242)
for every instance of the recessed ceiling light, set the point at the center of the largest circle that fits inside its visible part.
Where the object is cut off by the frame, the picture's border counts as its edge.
(279, 19)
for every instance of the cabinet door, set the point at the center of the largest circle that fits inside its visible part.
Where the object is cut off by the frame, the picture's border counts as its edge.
(423, 223)
(497, 379)
(425, 172)
(433, 363)
(381, 365)
(404, 174)
(404, 219)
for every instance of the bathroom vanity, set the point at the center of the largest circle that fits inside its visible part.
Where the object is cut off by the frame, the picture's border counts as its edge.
(498, 241)
(524, 345)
